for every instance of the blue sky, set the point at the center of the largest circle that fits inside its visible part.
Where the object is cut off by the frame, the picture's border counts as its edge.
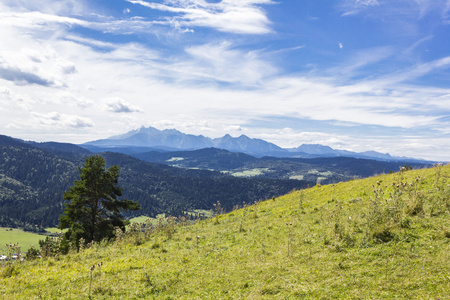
(351, 74)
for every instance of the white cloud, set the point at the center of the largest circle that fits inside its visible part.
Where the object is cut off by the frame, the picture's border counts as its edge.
(37, 20)
(236, 16)
(415, 71)
(55, 7)
(351, 7)
(220, 62)
(10, 102)
(61, 121)
(399, 10)
(118, 105)
(402, 145)
(27, 56)
(47, 20)
(233, 128)
(21, 77)
(291, 138)
(40, 66)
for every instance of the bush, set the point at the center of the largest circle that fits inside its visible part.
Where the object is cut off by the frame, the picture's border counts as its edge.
(54, 246)
(32, 253)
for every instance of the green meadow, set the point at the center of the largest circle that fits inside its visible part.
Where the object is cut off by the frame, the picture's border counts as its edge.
(27, 239)
(385, 237)
(17, 236)
(251, 172)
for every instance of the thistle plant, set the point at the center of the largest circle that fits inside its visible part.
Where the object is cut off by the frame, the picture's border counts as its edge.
(198, 238)
(160, 224)
(82, 242)
(217, 212)
(91, 269)
(120, 235)
(241, 224)
(437, 176)
(13, 250)
(169, 229)
(254, 214)
(289, 241)
(100, 272)
(300, 202)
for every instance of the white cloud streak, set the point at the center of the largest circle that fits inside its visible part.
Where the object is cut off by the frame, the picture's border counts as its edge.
(118, 105)
(235, 16)
(61, 121)
(220, 62)
(409, 9)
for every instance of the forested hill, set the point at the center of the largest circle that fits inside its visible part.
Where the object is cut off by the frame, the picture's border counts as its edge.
(33, 177)
(325, 169)
(32, 181)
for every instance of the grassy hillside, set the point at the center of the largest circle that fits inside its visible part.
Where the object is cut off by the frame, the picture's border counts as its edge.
(379, 238)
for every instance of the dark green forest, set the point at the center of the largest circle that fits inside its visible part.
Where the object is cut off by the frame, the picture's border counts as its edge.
(326, 169)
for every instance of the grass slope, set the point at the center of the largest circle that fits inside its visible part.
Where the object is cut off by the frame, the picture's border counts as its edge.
(379, 238)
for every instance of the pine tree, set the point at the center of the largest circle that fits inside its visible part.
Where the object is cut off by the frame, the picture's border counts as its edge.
(94, 209)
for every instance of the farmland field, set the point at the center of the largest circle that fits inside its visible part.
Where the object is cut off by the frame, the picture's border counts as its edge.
(25, 239)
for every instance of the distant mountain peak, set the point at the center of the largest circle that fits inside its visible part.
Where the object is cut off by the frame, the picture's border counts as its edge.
(244, 137)
(172, 138)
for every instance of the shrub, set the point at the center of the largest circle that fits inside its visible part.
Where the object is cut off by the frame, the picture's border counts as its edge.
(32, 253)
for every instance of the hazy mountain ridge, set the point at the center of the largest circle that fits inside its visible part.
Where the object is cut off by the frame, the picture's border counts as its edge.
(174, 140)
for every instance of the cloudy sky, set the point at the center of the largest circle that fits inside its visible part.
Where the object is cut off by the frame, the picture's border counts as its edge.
(351, 74)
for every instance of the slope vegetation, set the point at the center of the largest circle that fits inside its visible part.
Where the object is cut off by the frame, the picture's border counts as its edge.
(383, 237)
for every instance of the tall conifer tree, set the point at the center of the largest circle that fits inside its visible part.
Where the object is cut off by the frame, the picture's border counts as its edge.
(94, 209)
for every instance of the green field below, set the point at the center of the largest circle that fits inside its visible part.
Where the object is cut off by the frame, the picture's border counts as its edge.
(251, 172)
(27, 239)
(386, 237)
(140, 219)
(17, 236)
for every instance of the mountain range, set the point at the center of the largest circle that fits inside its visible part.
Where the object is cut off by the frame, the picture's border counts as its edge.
(172, 139)
(148, 139)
